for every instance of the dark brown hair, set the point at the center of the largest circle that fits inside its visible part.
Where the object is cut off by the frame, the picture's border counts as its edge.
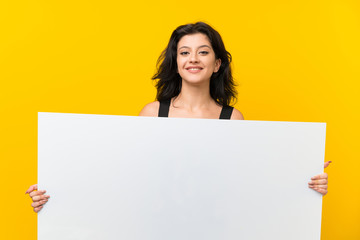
(222, 86)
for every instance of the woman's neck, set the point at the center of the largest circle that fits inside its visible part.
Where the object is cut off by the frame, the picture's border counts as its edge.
(194, 97)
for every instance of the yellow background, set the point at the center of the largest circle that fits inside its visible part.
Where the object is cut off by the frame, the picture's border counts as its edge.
(293, 60)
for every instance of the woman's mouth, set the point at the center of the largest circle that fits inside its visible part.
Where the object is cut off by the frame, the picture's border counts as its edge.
(193, 69)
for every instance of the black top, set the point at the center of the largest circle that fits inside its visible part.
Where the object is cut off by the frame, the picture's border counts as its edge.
(226, 111)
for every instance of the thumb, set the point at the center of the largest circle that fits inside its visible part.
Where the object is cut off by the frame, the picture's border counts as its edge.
(32, 188)
(326, 164)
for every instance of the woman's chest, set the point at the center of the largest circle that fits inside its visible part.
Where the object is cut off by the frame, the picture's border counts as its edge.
(213, 113)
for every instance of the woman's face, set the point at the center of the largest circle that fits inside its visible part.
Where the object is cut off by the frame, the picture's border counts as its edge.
(196, 58)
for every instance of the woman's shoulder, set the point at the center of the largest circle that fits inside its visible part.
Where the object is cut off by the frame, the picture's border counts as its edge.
(236, 115)
(150, 109)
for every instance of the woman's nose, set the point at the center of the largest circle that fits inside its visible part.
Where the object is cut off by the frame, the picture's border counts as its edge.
(194, 58)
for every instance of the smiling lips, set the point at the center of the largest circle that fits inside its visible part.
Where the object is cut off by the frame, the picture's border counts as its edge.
(194, 69)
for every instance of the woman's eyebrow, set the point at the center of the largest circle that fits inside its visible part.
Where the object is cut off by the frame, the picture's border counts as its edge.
(198, 47)
(183, 47)
(204, 46)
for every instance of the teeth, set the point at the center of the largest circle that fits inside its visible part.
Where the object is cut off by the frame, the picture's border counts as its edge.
(194, 68)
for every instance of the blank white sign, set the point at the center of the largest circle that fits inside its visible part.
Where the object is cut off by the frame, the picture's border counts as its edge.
(142, 178)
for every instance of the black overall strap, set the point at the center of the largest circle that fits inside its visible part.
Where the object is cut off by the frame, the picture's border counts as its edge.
(164, 108)
(226, 112)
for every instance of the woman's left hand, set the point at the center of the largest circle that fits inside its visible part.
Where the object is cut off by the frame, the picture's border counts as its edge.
(320, 182)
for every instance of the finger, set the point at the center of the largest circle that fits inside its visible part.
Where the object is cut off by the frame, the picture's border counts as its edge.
(38, 204)
(320, 176)
(322, 187)
(38, 209)
(35, 193)
(40, 198)
(319, 186)
(31, 188)
(318, 182)
(326, 164)
(322, 191)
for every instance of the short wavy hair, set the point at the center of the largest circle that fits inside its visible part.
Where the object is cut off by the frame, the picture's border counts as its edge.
(168, 85)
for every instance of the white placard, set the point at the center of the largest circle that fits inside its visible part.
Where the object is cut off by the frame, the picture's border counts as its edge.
(143, 178)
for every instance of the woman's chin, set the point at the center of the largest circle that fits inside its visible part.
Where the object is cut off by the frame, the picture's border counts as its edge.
(196, 81)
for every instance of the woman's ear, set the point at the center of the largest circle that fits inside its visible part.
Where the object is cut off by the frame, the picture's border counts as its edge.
(217, 65)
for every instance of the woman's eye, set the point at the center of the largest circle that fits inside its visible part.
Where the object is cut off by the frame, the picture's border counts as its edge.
(204, 52)
(184, 53)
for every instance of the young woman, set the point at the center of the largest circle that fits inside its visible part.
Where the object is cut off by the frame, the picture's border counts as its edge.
(194, 80)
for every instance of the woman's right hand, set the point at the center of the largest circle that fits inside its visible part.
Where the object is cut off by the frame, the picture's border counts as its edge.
(38, 197)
